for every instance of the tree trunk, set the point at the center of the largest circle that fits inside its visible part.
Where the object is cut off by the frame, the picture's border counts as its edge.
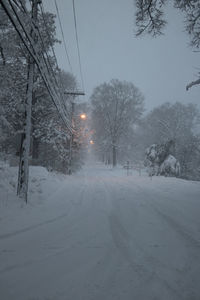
(114, 155)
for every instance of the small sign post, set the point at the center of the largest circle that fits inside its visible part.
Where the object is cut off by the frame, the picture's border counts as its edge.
(128, 167)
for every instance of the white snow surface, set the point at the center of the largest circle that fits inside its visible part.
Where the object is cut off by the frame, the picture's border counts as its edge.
(99, 234)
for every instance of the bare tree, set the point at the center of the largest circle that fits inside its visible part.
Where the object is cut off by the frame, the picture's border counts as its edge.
(115, 107)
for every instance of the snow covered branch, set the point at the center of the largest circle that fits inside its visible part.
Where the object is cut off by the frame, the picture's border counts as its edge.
(192, 83)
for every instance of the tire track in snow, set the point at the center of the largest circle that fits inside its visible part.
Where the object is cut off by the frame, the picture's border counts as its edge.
(48, 221)
(122, 239)
(56, 251)
(170, 221)
(32, 227)
(189, 275)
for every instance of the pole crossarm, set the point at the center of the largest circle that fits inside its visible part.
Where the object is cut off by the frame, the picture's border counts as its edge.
(76, 93)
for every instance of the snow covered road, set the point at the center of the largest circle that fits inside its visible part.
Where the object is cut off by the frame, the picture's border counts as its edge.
(105, 235)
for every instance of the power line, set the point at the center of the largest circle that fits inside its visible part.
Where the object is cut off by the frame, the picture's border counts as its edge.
(29, 44)
(47, 31)
(61, 88)
(33, 27)
(77, 43)
(47, 59)
(65, 46)
(53, 52)
(20, 7)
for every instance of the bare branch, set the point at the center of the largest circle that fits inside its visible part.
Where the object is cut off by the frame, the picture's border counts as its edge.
(149, 17)
(192, 83)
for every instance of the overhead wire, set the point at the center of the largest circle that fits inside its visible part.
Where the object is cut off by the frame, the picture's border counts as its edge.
(47, 31)
(47, 60)
(20, 7)
(53, 52)
(64, 42)
(77, 43)
(26, 37)
(8, 12)
(52, 85)
(59, 85)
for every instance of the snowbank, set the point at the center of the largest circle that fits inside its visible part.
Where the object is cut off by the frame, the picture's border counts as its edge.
(14, 213)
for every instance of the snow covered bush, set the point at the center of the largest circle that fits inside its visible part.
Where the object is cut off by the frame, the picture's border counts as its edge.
(159, 161)
(170, 167)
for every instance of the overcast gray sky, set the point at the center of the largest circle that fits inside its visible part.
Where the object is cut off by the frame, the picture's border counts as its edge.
(159, 67)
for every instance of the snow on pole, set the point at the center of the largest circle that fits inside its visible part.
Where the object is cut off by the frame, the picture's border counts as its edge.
(23, 174)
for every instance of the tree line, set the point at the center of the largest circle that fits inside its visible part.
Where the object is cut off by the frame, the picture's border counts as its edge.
(122, 132)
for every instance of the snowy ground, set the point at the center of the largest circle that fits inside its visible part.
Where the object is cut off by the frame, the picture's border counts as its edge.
(99, 234)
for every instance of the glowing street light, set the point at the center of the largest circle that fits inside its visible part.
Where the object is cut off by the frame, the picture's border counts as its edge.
(83, 116)
(91, 142)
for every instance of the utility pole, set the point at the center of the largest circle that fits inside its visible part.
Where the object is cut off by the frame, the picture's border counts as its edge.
(23, 174)
(71, 139)
(74, 94)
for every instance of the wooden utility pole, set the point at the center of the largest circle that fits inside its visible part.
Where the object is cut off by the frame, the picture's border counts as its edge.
(23, 175)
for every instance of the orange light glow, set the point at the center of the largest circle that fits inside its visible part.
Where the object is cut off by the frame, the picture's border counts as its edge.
(83, 116)
(91, 142)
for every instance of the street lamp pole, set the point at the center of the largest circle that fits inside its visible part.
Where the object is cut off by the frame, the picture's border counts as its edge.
(74, 94)
(71, 140)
